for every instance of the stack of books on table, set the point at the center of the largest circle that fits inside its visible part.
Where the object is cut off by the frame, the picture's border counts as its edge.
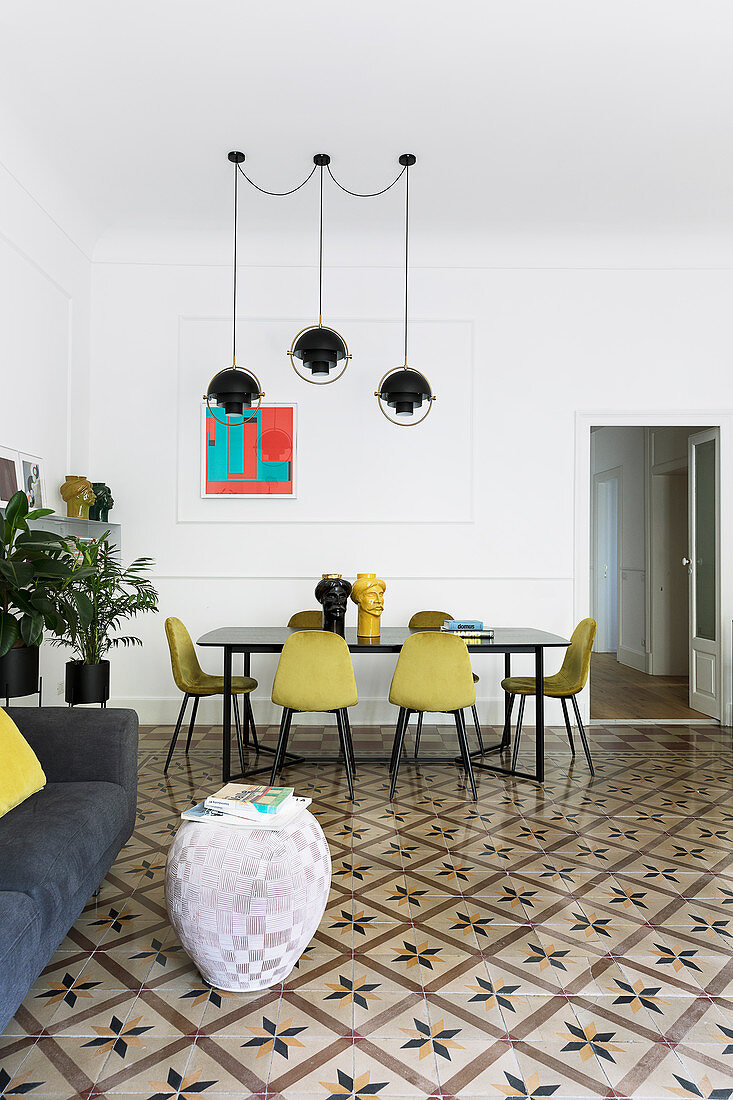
(471, 630)
(249, 805)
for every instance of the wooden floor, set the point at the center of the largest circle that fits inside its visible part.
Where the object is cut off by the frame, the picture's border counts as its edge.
(618, 692)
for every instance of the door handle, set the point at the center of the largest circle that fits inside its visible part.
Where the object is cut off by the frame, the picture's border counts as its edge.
(686, 561)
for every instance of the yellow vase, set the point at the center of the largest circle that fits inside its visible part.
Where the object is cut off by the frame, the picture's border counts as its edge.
(368, 595)
(79, 496)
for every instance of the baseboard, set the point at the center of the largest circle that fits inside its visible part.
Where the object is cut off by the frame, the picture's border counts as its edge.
(163, 711)
(632, 658)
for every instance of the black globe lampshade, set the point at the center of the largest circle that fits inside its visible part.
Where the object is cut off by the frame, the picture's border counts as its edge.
(233, 390)
(405, 390)
(320, 349)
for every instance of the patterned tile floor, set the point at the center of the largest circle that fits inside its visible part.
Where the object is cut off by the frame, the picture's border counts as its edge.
(570, 941)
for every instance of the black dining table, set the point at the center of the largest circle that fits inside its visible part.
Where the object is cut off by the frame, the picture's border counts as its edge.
(508, 640)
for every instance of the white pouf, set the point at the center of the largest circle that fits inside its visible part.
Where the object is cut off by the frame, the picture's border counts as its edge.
(246, 901)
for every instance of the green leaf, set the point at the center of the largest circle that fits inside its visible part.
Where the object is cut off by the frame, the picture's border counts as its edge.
(31, 629)
(85, 607)
(18, 574)
(8, 632)
(37, 513)
(17, 508)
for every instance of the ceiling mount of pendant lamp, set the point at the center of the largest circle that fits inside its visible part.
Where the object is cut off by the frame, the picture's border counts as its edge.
(234, 389)
(403, 389)
(317, 350)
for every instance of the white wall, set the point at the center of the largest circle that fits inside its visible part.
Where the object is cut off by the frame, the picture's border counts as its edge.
(45, 287)
(545, 344)
(624, 448)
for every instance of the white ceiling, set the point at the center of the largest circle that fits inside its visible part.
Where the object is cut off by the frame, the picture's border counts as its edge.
(555, 116)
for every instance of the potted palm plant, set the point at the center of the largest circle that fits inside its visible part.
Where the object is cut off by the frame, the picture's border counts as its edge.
(34, 566)
(97, 598)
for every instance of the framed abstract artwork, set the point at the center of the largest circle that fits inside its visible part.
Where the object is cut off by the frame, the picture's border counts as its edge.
(32, 480)
(251, 459)
(10, 476)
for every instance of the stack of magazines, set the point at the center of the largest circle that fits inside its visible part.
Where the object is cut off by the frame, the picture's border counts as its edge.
(248, 805)
(470, 629)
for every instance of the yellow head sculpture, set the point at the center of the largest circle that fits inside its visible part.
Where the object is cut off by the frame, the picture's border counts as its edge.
(368, 592)
(79, 496)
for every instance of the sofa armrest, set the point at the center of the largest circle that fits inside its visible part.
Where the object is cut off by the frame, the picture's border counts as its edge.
(77, 746)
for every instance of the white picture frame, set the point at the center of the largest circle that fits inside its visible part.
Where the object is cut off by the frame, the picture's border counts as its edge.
(291, 405)
(33, 479)
(10, 474)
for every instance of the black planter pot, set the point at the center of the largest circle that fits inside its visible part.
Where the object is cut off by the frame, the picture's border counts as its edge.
(332, 592)
(19, 672)
(87, 683)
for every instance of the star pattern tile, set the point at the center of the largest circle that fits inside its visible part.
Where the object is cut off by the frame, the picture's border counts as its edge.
(574, 940)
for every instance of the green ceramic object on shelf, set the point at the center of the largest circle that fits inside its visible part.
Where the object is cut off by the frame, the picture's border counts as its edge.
(100, 509)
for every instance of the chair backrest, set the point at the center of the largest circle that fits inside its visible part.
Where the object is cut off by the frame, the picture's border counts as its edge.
(306, 620)
(314, 673)
(433, 674)
(425, 620)
(577, 656)
(184, 662)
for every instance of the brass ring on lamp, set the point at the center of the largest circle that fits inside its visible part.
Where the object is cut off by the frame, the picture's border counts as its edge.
(401, 423)
(312, 381)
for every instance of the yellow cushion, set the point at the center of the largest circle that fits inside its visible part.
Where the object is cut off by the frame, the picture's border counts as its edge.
(21, 774)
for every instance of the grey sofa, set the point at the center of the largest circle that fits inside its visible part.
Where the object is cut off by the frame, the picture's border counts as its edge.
(57, 846)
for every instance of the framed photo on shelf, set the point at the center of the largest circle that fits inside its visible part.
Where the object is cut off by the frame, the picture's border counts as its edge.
(10, 475)
(253, 457)
(32, 479)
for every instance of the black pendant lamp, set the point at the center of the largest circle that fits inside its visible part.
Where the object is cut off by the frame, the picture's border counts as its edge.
(234, 389)
(402, 389)
(317, 351)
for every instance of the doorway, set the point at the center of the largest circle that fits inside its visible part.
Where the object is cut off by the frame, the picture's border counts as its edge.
(654, 573)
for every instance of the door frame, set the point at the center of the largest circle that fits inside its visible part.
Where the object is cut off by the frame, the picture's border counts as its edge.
(582, 543)
(616, 474)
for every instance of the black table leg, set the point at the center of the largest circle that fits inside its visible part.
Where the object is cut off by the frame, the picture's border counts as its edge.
(540, 714)
(226, 724)
(507, 734)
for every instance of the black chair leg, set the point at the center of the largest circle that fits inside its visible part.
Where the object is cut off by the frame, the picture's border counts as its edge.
(346, 751)
(281, 744)
(250, 720)
(192, 723)
(567, 724)
(399, 739)
(518, 734)
(582, 734)
(177, 730)
(477, 724)
(506, 735)
(238, 727)
(463, 742)
(408, 714)
(349, 741)
(418, 735)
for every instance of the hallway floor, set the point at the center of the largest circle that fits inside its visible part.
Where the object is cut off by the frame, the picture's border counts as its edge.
(572, 940)
(618, 692)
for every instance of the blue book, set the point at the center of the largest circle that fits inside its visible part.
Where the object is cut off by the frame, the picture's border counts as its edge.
(463, 624)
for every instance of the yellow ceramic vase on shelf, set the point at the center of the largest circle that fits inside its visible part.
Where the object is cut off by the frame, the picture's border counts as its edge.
(79, 496)
(368, 595)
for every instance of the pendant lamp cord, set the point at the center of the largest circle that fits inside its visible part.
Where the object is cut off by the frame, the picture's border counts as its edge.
(366, 194)
(234, 310)
(406, 170)
(320, 259)
(279, 194)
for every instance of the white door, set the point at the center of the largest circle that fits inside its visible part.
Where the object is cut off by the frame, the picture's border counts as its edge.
(703, 566)
(606, 558)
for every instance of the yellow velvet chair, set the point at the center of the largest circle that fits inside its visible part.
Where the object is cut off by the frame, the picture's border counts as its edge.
(564, 685)
(315, 674)
(196, 684)
(433, 674)
(306, 620)
(432, 620)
